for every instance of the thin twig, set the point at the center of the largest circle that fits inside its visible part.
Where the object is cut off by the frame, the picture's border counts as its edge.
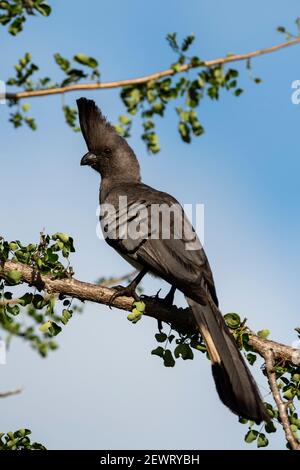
(10, 393)
(281, 405)
(147, 78)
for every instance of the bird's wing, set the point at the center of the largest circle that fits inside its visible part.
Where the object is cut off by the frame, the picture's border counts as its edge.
(169, 247)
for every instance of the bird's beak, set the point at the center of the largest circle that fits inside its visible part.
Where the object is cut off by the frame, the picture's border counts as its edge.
(88, 159)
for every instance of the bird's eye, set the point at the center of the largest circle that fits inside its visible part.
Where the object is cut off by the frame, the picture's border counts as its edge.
(107, 151)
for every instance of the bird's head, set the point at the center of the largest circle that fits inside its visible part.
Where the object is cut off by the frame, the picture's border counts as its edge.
(109, 153)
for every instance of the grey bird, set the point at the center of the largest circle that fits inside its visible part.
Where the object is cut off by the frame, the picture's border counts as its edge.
(166, 257)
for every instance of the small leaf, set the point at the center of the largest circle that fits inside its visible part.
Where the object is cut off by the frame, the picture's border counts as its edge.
(63, 63)
(233, 320)
(161, 337)
(183, 350)
(262, 441)
(269, 427)
(159, 351)
(45, 327)
(14, 277)
(251, 436)
(26, 107)
(169, 360)
(251, 358)
(140, 306)
(263, 333)
(61, 236)
(43, 8)
(86, 60)
(54, 329)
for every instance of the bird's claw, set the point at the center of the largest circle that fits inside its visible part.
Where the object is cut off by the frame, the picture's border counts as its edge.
(122, 291)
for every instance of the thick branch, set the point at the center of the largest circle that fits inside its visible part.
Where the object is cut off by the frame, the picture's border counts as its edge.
(147, 78)
(180, 319)
(281, 405)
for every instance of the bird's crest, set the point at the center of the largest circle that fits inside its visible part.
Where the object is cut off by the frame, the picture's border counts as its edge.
(94, 126)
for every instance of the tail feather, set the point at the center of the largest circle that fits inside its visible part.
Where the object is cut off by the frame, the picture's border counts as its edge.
(234, 382)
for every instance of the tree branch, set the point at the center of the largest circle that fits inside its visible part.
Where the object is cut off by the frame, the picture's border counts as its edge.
(148, 78)
(281, 405)
(179, 318)
(10, 393)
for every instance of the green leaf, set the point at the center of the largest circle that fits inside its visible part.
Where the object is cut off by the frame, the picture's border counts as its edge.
(169, 360)
(54, 329)
(263, 333)
(16, 26)
(269, 427)
(243, 420)
(262, 441)
(176, 67)
(184, 132)
(238, 92)
(22, 433)
(45, 326)
(86, 60)
(66, 315)
(187, 42)
(289, 393)
(140, 306)
(172, 40)
(251, 436)
(61, 236)
(124, 119)
(161, 337)
(251, 358)
(26, 299)
(183, 350)
(13, 246)
(295, 421)
(14, 277)
(13, 310)
(159, 351)
(63, 63)
(43, 8)
(233, 320)
(196, 62)
(26, 107)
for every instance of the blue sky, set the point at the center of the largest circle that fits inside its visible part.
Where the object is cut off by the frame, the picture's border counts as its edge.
(102, 388)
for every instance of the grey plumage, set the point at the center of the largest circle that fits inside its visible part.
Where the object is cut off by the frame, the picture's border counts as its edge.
(168, 258)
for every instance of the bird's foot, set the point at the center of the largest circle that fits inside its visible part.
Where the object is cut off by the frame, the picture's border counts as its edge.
(121, 291)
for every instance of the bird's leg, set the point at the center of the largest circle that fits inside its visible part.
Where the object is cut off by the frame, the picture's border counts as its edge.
(130, 290)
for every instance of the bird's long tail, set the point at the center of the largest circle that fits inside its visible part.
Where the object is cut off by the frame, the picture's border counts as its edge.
(235, 385)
